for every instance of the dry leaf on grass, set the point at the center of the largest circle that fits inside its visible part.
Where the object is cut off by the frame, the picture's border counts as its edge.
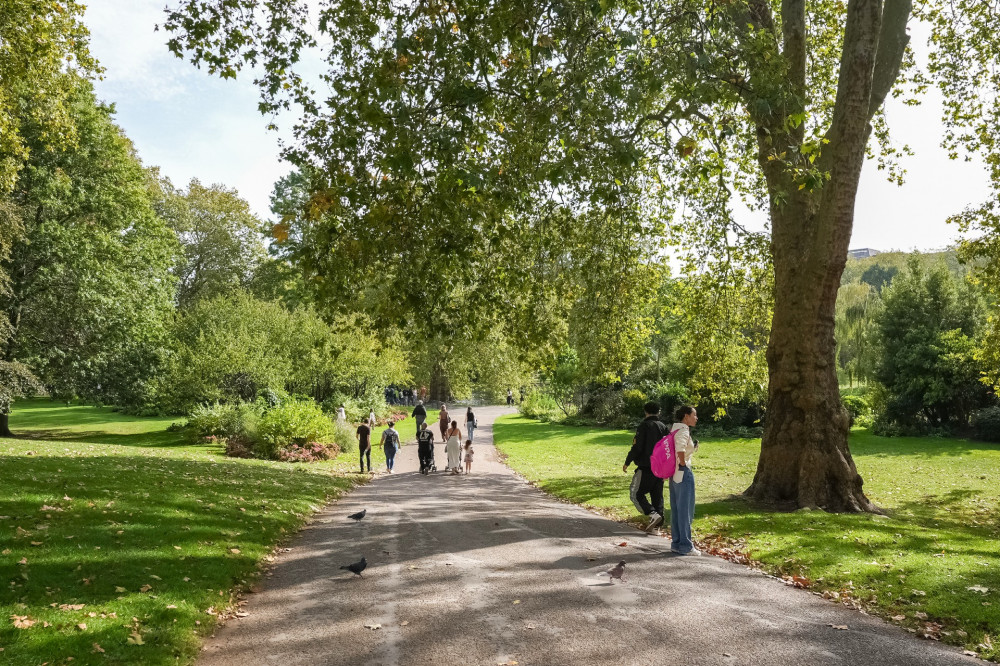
(97, 648)
(978, 588)
(22, 621)
(146, 588)
(373, 627)
(135, 638)
(82, 626)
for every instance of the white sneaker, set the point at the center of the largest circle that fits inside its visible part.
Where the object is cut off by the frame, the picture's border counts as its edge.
(693, 552)
(655, 520)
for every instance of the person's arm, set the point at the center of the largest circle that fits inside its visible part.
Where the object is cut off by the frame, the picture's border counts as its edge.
(682, 440)
(633, 453)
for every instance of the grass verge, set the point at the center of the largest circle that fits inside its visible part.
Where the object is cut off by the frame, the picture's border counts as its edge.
(121, 544)
(930, 565)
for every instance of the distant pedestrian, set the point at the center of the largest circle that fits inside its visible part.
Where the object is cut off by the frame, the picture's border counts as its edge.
(364, 436)
(341, 414)
(371, 418)
(390, 444)
(644, 482)
(419, 414)
(454, 449)
(470, 423)
(468, 456)
(510, 397)
(443, 421)
(425, 448)
(682, 483)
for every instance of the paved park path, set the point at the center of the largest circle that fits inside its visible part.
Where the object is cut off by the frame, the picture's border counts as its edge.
(484, 569)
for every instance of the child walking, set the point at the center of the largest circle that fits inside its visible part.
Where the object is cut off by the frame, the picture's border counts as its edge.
(468, 456)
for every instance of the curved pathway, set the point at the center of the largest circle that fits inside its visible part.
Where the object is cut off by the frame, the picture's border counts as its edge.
(485, 569)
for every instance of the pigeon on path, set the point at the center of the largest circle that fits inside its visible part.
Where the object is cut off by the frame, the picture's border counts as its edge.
(617, 571)
(357, 567)
(356, 517)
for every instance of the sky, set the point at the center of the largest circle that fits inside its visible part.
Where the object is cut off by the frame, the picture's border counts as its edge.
(193, 125)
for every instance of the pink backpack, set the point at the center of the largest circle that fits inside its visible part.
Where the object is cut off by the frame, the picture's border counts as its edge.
(663, 460)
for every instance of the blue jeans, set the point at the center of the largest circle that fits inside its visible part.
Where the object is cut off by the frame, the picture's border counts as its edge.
(682, 512)
(471, 427)
(390, 456)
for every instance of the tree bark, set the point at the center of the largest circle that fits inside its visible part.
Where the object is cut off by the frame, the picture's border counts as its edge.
(805, 460)
(5, 426)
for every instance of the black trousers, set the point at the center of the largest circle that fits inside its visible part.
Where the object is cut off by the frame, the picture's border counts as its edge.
(366, 453)
(644, 482)
(426, 455)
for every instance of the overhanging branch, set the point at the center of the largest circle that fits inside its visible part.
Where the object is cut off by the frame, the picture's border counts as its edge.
(891, 47)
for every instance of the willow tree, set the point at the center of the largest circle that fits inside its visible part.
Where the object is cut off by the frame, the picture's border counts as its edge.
(629, 106)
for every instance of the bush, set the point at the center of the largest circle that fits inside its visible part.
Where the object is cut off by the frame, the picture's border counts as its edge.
(857, 407)
(634, 401)
(344, 437)
(295, 422)
(986, 424)
(237, 422)
(309, 452)
(538, 405)
(607, 407)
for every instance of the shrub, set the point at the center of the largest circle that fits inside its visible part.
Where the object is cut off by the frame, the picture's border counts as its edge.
(205, 421)
(634, 400)
(538, 405)
(294, 422)
(607, 406)
(309, 452)
(344, 437)
(230, 422)
(857, 406)
(986, 424)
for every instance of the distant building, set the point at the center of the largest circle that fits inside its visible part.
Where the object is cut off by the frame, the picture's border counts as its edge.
(862, 253)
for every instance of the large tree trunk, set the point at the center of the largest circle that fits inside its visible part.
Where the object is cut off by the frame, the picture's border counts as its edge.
(5, 426)
(804, 459)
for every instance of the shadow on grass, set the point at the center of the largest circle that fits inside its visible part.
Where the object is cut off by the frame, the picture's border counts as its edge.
(95, 530)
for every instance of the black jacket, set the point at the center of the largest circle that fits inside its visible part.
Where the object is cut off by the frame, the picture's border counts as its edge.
(419, 411)
(649, 432)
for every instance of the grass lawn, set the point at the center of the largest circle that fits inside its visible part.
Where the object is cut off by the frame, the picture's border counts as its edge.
(932, 564)
(119, 543)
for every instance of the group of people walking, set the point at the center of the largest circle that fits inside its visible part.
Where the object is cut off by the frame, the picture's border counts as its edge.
(451, 435)
(646, 489)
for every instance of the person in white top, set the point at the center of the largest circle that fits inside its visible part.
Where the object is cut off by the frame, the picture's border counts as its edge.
(682, 483)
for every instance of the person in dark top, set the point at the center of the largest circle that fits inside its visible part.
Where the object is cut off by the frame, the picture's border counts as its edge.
(419, 414)
(644, 482)
(364, 436)
(425, 449)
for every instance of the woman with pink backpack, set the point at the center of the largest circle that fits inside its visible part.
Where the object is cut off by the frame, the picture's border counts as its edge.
(682, 483)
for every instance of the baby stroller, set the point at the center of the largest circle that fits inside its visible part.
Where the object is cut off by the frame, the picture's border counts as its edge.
(427, 464)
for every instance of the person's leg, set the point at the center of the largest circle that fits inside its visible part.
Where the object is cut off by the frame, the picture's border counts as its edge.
(636, 493)
(685, 513)
(656, 495)
(361, 455)
(390, 455)
(674, 523)
(472, 429)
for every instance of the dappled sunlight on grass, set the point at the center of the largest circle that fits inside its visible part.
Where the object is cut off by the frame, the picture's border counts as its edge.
(938, 539)
(152, 541)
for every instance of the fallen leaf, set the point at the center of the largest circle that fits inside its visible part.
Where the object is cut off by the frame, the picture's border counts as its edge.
(404, 623)
(71, 607)
(918, 593)
(920, 615)
(623, 543)
(517, 601)
(969, 653)
(135, 638)
(242, 614)
(172, 606)
(120, 590)
(146, 588)
(898, 618)
(22, 621)
(97, 648)
(373, 627)
(37, 543)
(23, 560)
(978, 588)
(154, 577)
(177, 547)
(82, 626)
(186, 579)
(234, 551)
(841, 627)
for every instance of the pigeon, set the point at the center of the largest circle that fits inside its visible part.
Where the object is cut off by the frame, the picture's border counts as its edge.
(356, 517)
(357, 567)
(617, 571)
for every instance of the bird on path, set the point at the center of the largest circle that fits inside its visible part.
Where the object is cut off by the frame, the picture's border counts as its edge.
(617, 571)
(357, 567)
(356, 517)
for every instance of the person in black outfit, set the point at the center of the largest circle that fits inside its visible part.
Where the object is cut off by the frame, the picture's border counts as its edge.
(419, 414)
(364, 436)
(425, 449)
(644, 482)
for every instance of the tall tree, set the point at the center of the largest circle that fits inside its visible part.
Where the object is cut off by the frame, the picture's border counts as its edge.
(90, 291)
(483, 107)
(221, 238)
